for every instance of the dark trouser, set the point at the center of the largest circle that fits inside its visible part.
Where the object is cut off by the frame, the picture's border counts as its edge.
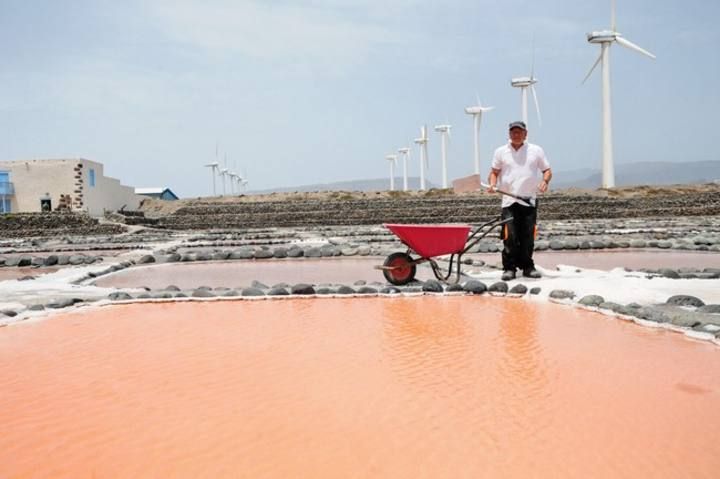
(519, 237)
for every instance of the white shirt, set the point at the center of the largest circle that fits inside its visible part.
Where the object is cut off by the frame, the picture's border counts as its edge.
(519, 170)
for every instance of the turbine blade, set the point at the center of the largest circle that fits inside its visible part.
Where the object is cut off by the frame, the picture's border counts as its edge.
(613, 26)
(592, 68)
(477, 97)
(537, 105)
(628, 44)
(532, 67)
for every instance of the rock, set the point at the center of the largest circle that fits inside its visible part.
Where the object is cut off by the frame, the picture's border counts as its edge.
(597, 244)
(669, 273)
(263, 254)
(119, 296)
(614, 307)
(281, 285)
(345, 290)
(557, 245)
(432, 286)
(591, 300)
(710, 309)
(454, 288)
(498, 287)
(294, 252)
(638, 243)
(26, 278)
(24, 261)
(148, 258)
(685, 300)
(585, 244)
(9, 313)
(76, 260)
(348, 251)
(562, 294)
(63, 260)
(329, 250)
(170, 258)
(230, 293)
(541, 245)
(51, 260)
(278, 292)
(535, 290)
(36, 307)
(360, 282)
(244, 253)
(172, 287)
(257, 284)
(664, 244)
(324, 290)
(571, 244)
(280, 252)
(364, 250)
(12, 262)
(61, 303)
(313, 253)
(474, 286)
(651, 314)
(390, 290)
(302, 289)
(220, 255)
(203, 293)
(518, 289)
(252, 292)
(367, 290)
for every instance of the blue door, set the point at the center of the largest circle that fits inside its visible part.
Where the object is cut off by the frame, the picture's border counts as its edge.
(5, 192)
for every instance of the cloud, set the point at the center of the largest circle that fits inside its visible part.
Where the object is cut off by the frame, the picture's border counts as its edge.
(324, 33)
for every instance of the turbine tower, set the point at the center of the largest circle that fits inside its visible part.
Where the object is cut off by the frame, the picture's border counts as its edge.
(392, 159)
(213, 168)
(476, 112)
(223, 174)
(422, 141)
(444, 131)
(405, 153)
(523, 83)
(605, 38)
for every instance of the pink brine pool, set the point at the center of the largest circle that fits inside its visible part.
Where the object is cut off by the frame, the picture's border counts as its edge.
(372, 387)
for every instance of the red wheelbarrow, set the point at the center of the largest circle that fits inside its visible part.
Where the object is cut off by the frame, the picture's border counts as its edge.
(429, 240)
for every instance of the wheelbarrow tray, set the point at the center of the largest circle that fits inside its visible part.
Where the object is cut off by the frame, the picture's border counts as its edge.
(428, 240)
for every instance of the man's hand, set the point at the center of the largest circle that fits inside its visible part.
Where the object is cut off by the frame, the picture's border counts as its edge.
(543, 186)
(491, 189)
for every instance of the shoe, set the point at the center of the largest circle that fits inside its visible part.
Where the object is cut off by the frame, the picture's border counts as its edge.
(508, 275)
(532, 273)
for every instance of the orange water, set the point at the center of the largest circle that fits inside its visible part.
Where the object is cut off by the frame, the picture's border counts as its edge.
(410, 387)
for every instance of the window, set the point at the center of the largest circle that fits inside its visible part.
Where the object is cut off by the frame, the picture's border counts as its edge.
(4, 205)
(91, 174)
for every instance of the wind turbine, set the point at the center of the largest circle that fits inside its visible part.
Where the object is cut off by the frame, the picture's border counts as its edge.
(524, 83)
(444, 131)
(392, 159)
(422, 141)
(232, 176)
(405, 152)
(223, 174)
(213, 168)
(605, 38)
(476, 112)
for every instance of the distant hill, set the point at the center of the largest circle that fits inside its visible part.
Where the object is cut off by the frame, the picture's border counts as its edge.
(358, 185)
(643, 173)
(629, 174)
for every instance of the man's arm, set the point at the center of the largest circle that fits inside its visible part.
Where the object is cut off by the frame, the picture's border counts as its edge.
(547, 176)
(492, 179)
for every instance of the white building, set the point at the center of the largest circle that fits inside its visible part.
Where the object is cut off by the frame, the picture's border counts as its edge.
(76, 184)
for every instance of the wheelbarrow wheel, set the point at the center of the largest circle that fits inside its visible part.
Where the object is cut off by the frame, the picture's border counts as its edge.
(402, 269)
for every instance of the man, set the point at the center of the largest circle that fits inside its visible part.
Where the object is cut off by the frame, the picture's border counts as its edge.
(515, 169)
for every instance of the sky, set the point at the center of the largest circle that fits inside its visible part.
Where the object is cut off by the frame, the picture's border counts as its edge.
(307, 92)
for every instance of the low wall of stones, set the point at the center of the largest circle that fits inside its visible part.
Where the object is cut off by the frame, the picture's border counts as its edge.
(24, 225)
(427, 210)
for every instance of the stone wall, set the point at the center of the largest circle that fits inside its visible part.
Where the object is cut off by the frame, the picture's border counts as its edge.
(444, 209)
(24, 225)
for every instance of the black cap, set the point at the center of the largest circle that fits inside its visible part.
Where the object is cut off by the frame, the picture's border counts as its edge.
(518, 124)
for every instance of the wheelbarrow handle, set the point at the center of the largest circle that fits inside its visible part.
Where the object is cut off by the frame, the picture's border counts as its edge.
(525, 199)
